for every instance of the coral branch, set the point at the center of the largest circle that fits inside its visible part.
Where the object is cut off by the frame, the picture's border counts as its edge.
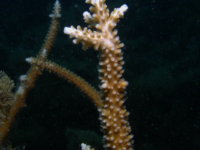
(71, 77)
(27, 81)
(51, 35)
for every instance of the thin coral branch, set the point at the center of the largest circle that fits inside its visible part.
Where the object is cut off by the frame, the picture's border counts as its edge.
(71, 77)
(51, 35)
(27, 81)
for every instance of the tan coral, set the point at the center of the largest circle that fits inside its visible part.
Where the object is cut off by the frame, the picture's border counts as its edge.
(113, 114)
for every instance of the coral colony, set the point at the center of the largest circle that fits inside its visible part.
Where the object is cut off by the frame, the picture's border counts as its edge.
(103, 37)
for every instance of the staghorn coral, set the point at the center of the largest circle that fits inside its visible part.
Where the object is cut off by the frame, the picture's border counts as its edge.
(7, 98)
(113, 114)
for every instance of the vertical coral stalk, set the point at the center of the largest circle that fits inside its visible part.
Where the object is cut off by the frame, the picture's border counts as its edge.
(113, 114)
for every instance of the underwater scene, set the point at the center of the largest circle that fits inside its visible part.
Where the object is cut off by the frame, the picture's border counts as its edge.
(100, 75)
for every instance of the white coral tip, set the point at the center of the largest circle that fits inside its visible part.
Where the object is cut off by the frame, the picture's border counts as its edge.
(68, 30)
(104, 85)
(123, 8)
(87, 15)
(85, 147)
(28, 59)
(93, 2)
